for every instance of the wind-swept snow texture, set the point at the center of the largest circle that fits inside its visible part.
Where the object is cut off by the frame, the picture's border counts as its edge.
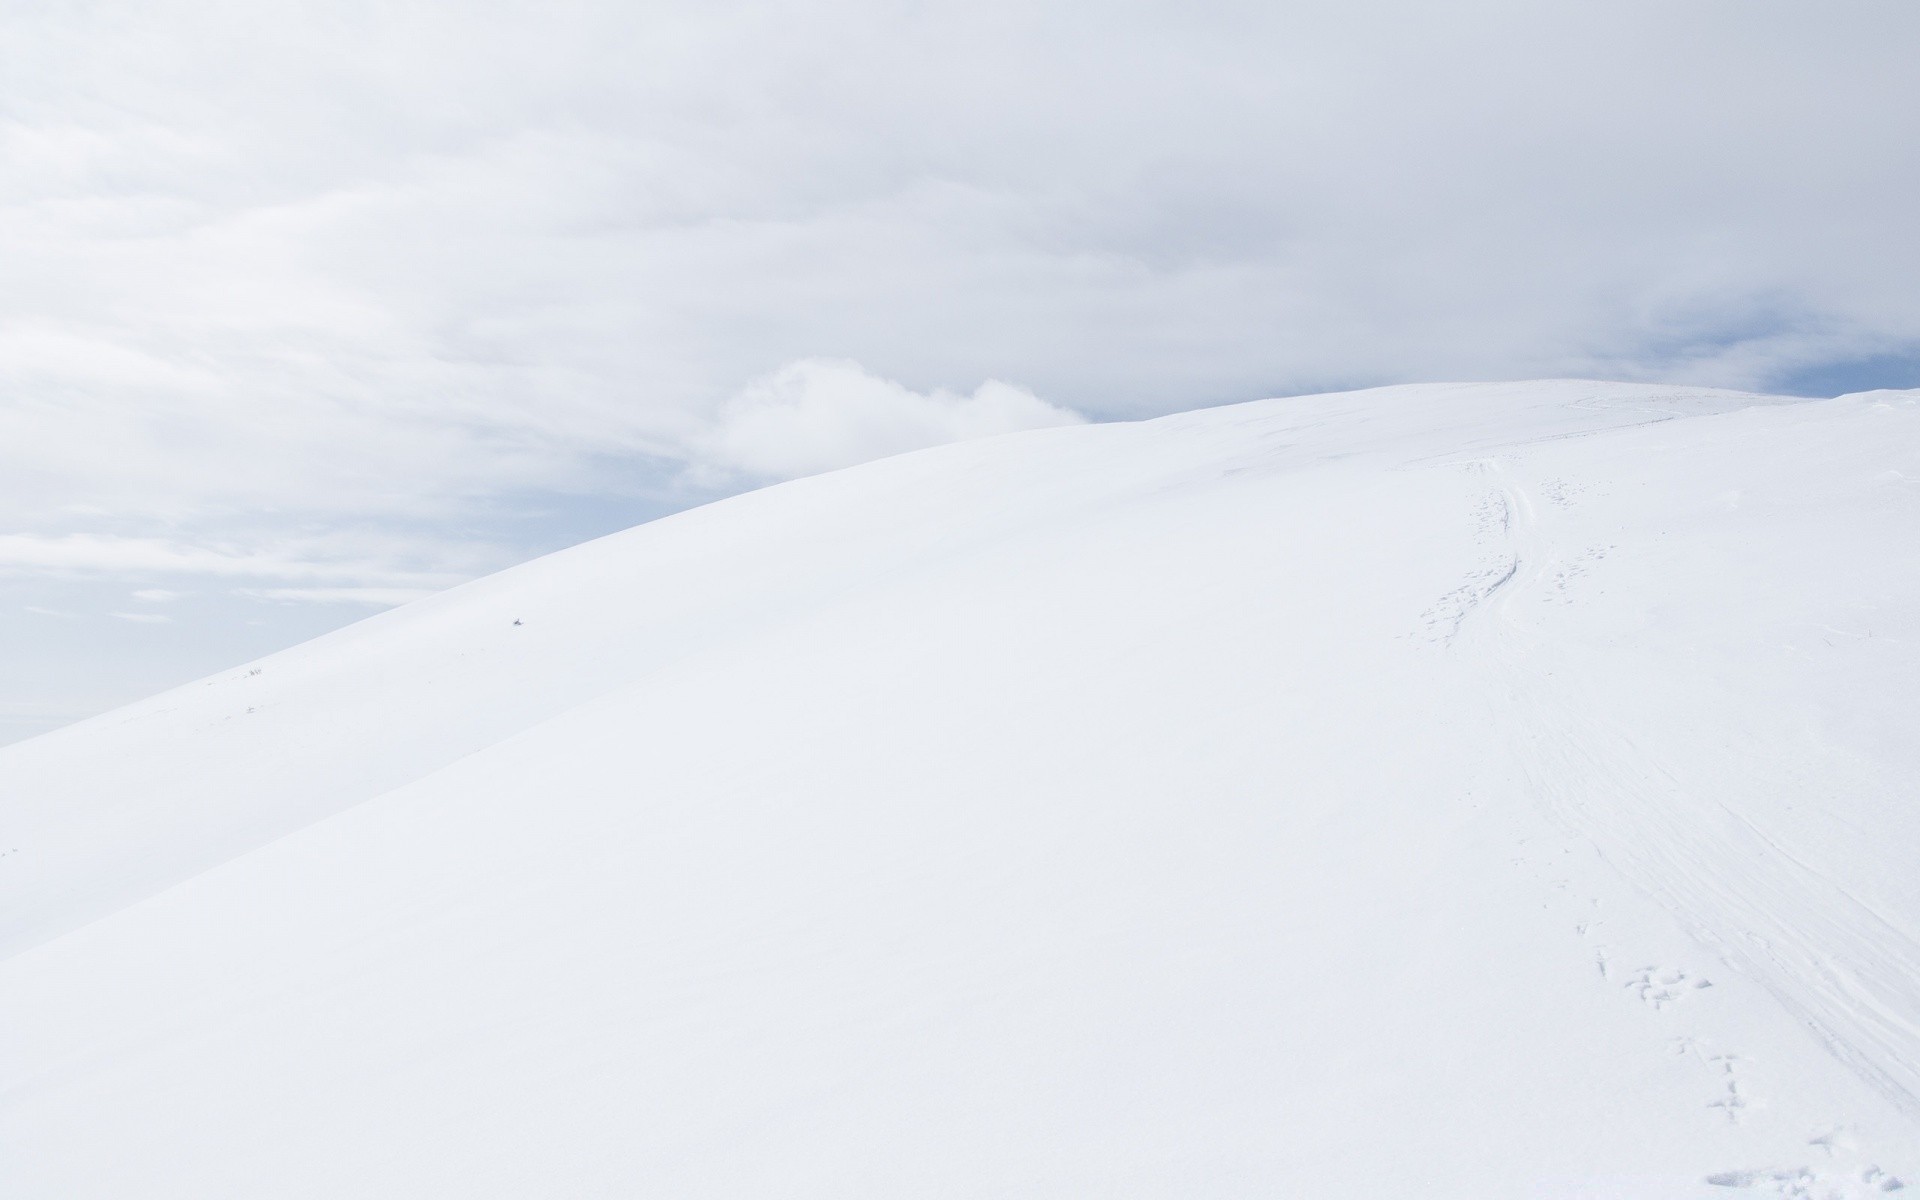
(1468, 791)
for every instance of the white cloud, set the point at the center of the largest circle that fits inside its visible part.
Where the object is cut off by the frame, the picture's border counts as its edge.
(819, 415)
(369, 596)
(157, 595)
(142, 618)
(79, 553)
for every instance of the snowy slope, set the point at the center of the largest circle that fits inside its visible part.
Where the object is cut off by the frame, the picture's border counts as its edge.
(1472, 791)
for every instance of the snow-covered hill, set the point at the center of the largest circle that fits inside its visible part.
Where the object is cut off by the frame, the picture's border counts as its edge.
(1465, 791)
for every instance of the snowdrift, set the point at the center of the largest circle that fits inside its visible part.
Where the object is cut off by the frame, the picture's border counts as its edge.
(1451, 791)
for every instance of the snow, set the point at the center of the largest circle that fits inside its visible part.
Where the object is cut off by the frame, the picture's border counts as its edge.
(1447, 791)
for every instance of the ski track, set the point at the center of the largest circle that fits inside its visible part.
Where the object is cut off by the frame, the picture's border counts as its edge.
(1832, 962)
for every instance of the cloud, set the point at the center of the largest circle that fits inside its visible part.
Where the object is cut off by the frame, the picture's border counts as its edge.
(80, 553)
(338, 297)
(390, 262)
(818, 415)
(368, 596)
(142, 618)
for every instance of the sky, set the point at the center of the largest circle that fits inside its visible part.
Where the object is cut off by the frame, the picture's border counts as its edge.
(310, 309)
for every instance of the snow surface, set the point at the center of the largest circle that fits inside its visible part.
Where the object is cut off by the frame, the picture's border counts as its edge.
(1450, 791)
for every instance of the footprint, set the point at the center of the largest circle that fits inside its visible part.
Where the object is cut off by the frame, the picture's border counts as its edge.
(1733, 1103)
(1443, 621)
(1880, 1180)
(1805, 1183)
(1799, 1179)
(1658, 988)
(1833, 1139)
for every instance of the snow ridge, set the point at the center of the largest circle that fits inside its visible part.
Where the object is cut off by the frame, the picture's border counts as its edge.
(1446, 791)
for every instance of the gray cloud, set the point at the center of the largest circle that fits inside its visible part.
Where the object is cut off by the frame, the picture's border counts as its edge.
(298, 271)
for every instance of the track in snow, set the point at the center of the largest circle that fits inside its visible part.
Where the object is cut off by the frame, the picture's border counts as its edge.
(1843, 971)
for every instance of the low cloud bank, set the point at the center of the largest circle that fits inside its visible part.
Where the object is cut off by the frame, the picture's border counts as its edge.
(823, 414)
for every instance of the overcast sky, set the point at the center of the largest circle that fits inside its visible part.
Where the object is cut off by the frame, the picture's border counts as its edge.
(308, 309)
